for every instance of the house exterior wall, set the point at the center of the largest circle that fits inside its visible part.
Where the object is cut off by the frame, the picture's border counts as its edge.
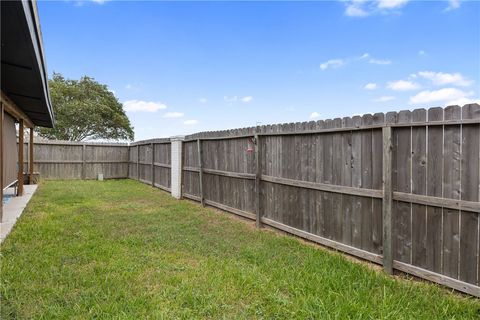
(10, 151)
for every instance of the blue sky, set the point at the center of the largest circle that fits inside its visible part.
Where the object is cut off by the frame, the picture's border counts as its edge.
(184, 67)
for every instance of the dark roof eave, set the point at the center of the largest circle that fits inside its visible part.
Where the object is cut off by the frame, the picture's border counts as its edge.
(24, 78)
(33, 21)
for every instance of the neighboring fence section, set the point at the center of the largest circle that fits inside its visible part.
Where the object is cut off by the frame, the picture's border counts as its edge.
(324, 181)
(78, 160)
(399, 189)
(147, 161)
(150, 162)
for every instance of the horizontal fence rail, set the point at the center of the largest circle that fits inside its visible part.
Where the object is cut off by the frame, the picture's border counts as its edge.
(399, 189)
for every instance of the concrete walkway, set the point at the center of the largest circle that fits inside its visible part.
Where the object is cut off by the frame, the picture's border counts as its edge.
(13, 209)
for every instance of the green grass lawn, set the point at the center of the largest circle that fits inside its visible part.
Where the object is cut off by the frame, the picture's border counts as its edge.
(121, 249)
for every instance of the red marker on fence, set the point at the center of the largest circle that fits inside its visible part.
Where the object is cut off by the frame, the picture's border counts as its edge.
(250, 146)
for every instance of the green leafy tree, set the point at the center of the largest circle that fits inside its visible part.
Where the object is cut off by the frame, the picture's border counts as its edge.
(85, 110)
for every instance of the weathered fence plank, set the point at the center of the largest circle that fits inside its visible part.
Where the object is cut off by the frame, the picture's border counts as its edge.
(469, 221)
(387, 200)
(200, 171)
(338, 219)
(366, 204)
(419, 187)
(377, 183)
(434, 188)
(451, 190)
(402, 233)
(258, 186)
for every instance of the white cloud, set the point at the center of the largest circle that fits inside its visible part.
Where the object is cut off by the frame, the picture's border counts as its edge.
(363, 8)
(314, 115)
(384, 99)
(442, 95)
(380, 61)
(355, 10)
(128, 87)
(364, 56)
(203, 100)
(370, 86)
(391, 4)
(337, 63)
(173, 115)
(422, 53)
(190, 122)
(246, 99)
(146, 106)
(334, 63)
(441, 78)
(402, 85)
(452, 5)
(80, 3)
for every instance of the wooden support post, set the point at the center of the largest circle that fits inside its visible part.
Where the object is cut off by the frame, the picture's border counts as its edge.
(138, 162)
(129, 161)
(200, 171)
(182, 173)
(387, 200)
(153, 168)
(21, 132)
(258, 187)
(30, 158)
(84, 157)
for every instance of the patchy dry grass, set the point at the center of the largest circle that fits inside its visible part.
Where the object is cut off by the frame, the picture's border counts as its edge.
(121, 249)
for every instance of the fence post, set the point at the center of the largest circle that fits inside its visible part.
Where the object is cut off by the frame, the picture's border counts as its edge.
(153, 166)
(128, 163)
(21, 132)
(387, 200)
(200, 170)
(30, 157)
(83, 161)
(258, 176)
(176, 166)
(138, 162)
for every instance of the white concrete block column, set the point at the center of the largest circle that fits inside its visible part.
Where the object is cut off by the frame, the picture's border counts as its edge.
(176, 166)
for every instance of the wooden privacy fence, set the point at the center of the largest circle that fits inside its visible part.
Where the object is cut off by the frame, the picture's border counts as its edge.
(150, 162)
(78, 160)
(85, 160)
(399, 189)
